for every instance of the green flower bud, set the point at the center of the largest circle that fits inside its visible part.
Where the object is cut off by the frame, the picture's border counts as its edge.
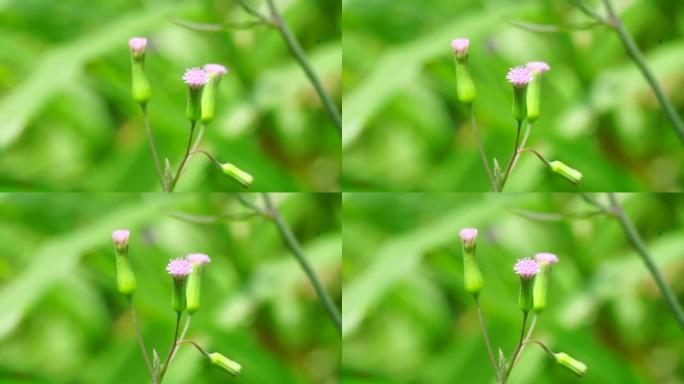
(195, 78)
(179, 269)
(465, 88)
(577, 367)
(527, 269)
(572, 175)
(125, 279)
(236, 173)
(194, 285)
(229, 365)
(545, 260)
(140, 86)
(537, 68)
(472, 277)
(520, 77)
(214, 73)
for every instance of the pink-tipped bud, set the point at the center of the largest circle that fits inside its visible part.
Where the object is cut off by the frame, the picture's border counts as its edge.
(137, 45)
(460, 46)
(179, 268)
(468, 236)
(215, 69)
(546, 258)
(195, 77)
(538, 67)
(519, 76)
(526, 268)
(198, 259)
(120, 238)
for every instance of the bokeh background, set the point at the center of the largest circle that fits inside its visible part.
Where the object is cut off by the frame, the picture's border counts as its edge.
(408, 319)
(405, 130)
(69, 123)
(62, 319)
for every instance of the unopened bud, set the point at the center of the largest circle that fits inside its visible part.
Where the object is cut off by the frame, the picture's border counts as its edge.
(577, 367)
(472, 277)
(236, 173)
(572, 175)
(229, 365)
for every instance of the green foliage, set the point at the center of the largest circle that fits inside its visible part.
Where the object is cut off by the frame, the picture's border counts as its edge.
(62, 319)
(70, 124)
(408, 318)
(405, 130)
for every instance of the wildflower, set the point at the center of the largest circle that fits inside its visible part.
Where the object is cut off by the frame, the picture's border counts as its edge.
(195, 78)
(214, 73)
(125, 279)
(237, 174)
(520, 77)
(229, 365)
(465, 88)
(545, 261)
(572, 175)
(527, 269)
(194, 284)
(472, 277)
(577, 367)
(140, 85)
(537, 69)
(179, 269)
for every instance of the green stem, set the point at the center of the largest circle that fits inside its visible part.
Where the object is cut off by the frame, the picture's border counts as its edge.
(638, 244)
(298, 53)
(205, 353)
(198, 139)
(153, 147)
(517, 349)
(510, 162)
(293, 245)
(209, 155)
(635, 54)
(185, 158)
(173, 347)
(141, 342)
(182, 335)
(483, 154)
(546, 162)
(546, 349)
(529, 333)
(485, 335)
(528, 128)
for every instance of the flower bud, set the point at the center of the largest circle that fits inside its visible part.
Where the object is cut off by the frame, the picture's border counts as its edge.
(472, 277)
(520, 77)
(195, 78)
(214, 74)
(545, 261)
(465, 88)
(527, 269)
(193, 289)
(125, 279)
(572, 175)
(577, 367)
(236, 173)
(229, 365)
(140, 85)
(537, 68)
(179, 269)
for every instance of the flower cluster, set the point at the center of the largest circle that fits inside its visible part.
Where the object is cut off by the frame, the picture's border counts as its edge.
(202, 86)
(534, 276)
(186, 276)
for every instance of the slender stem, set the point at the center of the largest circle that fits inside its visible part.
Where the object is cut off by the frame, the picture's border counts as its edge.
(248, 204)
(541, 345)
(635, 54)
(298, 53)
(209, 155)
(205, 353)
(141, 342)
(517, 349)
(483, 154)
(252, 11)
(185, 158)
(153, 146)
(587, 11)
(546, 162)
(173, 347)
(510, 163)
(188, 318)
(528, 128)
(637, 243)
(198, 139)
(292, 244)
(529, 333)
(485, 335)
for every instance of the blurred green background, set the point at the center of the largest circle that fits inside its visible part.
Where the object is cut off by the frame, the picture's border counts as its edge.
(62, 319)
(408, 319)
(69, 123)
(404, 129)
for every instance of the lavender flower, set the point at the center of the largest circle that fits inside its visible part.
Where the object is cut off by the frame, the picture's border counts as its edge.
(195, 77)
(472, 277)
(193, 289)
(541, 282)
(526, 268)
(537, 67)
(125, 278)
(468, 235)
(465, 87)
(208, 102)
(215, 69)
(179, 268)
(519, 76)
(198, 259)
(120, 237)
(546, 258)
(137, 45)
(460, 46)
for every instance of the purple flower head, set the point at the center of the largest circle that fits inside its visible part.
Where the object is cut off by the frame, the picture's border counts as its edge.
(519, 76)
(120, 237)
(137, 44)
(538, 67)
(179, 268)
(526, 268)
(215, 69)
(195, 77)
(460, 46)
(198, 259)
(468, 235)
(546, 258)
